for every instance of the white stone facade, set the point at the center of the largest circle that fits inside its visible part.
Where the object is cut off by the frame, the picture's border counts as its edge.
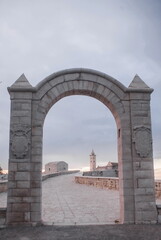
(54, 167)
(131, 110)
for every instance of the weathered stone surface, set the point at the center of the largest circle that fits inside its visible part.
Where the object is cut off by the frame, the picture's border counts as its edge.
(22, 176)
(138, 83)
(22, 82)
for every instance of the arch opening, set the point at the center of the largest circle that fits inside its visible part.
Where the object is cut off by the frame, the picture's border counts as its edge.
(76, 125)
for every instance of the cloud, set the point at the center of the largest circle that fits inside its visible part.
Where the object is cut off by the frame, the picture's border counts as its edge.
(120, 38)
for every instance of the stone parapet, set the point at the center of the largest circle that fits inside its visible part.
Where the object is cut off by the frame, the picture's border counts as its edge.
(110, 183)
(102, 182)
(3, 186)
(44, 177)
(158, 188)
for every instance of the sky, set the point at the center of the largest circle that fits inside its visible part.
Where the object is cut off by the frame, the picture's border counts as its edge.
(119, 38)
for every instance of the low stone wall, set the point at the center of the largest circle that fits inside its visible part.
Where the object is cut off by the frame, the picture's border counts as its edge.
(104, 173)
(102, 182)
(158, 188)
(3, 186)
(110, 183)
(44, 177)
(159, 212)
(2, 216)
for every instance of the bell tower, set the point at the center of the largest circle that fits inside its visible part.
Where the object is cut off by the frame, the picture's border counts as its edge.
(92, 161)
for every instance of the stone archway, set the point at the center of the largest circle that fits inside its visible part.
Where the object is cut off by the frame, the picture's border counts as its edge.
(131, 110)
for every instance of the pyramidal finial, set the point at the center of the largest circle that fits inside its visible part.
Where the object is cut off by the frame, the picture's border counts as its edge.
(22, 82)
(138, 83)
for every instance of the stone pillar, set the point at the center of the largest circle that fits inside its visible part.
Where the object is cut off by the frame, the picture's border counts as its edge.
(19, 177)
(143, 171)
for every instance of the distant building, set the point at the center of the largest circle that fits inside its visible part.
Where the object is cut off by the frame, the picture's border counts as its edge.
(109, 170)
(110, 165)
(92, 161)
(53, 167)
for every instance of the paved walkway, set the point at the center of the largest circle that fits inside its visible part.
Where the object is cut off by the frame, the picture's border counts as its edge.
(65, 202)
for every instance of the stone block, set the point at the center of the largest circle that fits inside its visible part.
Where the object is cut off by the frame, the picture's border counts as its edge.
(129, 217)
(75, 85)
(90, 86)
(21, 95)
(36, 150)
(23, 167)
(21, 113)
(23, 184)
(19, 160)
(144, 198)
(143, 206)
(144, 174)
(36, 158)
(70, 86)
(60, 89)
(27, 216)
(100, 89)
(65, 87)
(26, 105)
(39, 116)
(139, 96)
(36, 139)
(140, 191)
(147, 165)
(89, 77)
(129, 203)
(36, 167)
(32, 199)
(128, 183)
(12, 184)
(35, 207)
(145, 183)
(159, 218)
(128, 191)
(11, 176)
(25, 120)
(13, 217)
(43, 90)
(35, 216)
(104, 82)
(53, 93)
(15, 120)
(36, 192)
(36, 176)
(72, 76)
(22, 176)
(149, 215)
(20, 207)
(15, 199)
(36, 184)
(118, 91)
(12, 166)
(19, 192)
(56, 80)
